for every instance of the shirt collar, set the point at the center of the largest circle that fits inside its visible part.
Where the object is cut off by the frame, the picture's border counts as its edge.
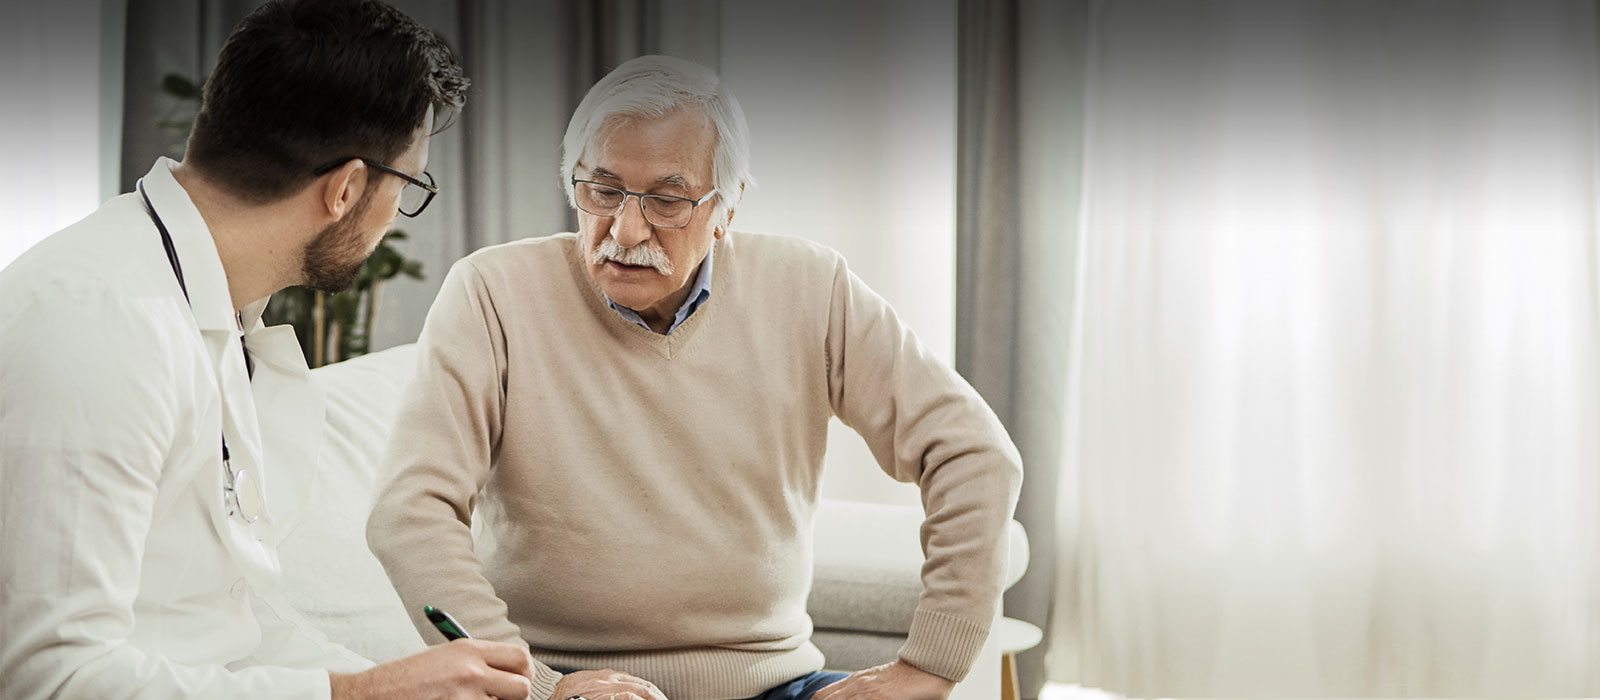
(697, 296)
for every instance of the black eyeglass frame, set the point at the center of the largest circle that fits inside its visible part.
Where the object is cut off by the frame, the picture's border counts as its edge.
(641, 195)
(430, 187)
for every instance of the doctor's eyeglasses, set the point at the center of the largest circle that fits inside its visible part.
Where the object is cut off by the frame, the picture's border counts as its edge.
(413, 199)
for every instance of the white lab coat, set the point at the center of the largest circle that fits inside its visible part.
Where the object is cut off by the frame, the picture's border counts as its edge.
(121, 573)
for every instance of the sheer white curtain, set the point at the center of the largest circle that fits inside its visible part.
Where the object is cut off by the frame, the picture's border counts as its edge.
(1335, 385)
(63, 106)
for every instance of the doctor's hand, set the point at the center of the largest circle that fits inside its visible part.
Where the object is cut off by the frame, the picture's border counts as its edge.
(897, 680)
(606, 685)
(464, 668)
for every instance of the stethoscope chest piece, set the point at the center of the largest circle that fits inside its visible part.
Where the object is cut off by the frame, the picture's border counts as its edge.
(241, 493)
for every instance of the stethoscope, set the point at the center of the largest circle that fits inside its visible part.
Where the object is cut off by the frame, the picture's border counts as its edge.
(241, 493)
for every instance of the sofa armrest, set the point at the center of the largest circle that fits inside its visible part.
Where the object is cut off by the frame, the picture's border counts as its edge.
(867, 576)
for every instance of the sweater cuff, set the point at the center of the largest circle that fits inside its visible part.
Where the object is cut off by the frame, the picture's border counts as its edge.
(544, 682)
(943, 645)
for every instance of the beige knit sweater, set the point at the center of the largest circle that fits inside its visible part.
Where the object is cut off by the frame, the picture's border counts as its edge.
(650, 497)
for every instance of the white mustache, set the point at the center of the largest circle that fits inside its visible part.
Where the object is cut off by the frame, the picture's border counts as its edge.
(648, 254)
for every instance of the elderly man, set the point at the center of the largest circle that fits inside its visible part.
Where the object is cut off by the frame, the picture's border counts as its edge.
(636, 416)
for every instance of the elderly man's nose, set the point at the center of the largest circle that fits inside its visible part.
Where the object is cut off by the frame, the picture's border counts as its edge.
(629, 226)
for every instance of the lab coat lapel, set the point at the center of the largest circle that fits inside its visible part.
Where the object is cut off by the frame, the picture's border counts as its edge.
(240, 422)
(290, 409)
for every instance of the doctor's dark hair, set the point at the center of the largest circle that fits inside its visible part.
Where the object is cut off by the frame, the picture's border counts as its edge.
(300, 83)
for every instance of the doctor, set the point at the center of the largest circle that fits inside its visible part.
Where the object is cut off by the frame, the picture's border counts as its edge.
(138, 527)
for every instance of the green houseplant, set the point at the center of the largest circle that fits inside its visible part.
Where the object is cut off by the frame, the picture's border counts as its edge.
(331, 327)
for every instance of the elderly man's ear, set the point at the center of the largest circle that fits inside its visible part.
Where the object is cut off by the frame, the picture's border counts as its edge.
(723, 229)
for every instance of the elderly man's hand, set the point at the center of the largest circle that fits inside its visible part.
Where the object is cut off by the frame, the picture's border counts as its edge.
(892, 681)
(606, 685)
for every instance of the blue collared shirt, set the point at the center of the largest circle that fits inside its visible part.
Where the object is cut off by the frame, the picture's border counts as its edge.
(697, 296)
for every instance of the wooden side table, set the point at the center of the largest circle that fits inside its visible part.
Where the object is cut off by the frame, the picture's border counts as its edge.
(1014, 636)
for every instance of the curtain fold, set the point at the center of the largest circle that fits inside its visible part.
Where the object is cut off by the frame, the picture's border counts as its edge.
(987, 243)
(1335, 359)
(1019, 146)
(517, 54)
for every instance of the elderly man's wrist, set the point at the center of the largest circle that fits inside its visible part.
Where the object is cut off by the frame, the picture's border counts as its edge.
(544, 683)
(943, 645)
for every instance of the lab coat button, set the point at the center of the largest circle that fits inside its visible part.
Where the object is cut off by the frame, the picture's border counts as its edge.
(240, 587)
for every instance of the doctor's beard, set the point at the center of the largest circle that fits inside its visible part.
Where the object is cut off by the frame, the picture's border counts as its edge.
(336, 255)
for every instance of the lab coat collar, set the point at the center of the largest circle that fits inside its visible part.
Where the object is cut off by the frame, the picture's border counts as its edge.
(291, 409)
(203, 276)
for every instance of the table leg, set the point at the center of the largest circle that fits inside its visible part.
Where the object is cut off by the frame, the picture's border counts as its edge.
(1009, 685)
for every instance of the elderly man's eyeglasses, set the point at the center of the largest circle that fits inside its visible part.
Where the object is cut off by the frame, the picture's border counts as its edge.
(661, 210)
(414, 197)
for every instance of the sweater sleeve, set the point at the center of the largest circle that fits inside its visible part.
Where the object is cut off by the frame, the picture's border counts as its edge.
(925, 424)
(438, 459)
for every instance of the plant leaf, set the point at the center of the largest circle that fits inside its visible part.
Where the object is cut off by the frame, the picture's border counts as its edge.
(179, 86)
(342, 308)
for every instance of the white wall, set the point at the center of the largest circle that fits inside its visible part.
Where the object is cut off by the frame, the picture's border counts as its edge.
(58, 78)
(852, 110)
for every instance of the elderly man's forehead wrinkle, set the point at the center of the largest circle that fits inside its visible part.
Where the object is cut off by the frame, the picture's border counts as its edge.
(602, 173)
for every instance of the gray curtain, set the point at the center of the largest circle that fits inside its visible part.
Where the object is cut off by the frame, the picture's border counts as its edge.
(530, 62)
(166, 36)
(1019, 141)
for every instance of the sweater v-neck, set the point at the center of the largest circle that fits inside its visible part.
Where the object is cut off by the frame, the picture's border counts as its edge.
(669, 345)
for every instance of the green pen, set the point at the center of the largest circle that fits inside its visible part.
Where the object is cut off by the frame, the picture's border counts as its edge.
(446, 625)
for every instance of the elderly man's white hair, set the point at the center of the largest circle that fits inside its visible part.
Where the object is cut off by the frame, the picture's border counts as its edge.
(652, 86)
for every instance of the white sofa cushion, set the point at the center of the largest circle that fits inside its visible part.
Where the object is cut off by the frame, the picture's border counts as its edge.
(330, 575)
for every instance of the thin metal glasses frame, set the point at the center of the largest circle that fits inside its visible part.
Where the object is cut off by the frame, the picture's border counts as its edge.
(693, 203)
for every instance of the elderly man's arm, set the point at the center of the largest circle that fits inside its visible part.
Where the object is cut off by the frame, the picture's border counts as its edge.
(438, 459)
(926, 425)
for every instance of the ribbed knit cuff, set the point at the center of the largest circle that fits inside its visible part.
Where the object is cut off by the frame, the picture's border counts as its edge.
(943, 645)
(544, 682)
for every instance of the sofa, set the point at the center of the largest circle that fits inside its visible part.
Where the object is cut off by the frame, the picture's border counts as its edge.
(866, 570)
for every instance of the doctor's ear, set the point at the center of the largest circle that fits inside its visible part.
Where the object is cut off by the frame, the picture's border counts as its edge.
(340, 188)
